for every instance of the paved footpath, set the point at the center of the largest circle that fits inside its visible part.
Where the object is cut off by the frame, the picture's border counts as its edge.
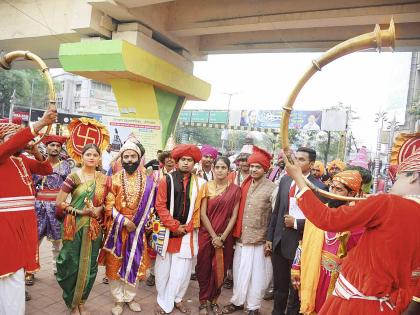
(47, 300)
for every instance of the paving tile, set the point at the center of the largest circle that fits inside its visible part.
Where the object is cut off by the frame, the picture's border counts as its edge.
(47, 294)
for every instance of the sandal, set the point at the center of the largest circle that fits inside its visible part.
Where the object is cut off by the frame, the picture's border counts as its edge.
(228, 284)
(231, 308)
(29, 279)
(202, 309)
(105, 280)
(159, 311)
(216, 309)
(182, 308)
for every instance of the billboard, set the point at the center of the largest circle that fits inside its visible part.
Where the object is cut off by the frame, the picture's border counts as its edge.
(62, 118)
(306, 120)
(201, 116)
(218, 117)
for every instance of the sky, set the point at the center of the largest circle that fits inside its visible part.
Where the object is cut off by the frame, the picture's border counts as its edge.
(368, 81)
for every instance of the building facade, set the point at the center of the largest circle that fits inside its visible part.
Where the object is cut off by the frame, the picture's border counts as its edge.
(412, 120)
(79, 95)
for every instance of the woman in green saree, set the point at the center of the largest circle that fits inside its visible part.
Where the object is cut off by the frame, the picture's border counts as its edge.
(82, 235)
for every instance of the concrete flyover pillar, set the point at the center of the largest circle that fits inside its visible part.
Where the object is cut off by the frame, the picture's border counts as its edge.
(145, 85)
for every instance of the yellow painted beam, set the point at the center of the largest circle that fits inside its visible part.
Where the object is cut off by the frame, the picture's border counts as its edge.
(117, 59)
(138, 95)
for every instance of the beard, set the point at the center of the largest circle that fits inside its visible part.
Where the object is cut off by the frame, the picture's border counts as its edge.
(333, 203)
(130, 168)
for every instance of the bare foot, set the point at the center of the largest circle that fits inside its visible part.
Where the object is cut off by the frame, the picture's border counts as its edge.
(82, 310)
(75, 311)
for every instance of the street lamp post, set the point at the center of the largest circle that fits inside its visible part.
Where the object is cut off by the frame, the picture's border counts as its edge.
(12, 105)
(380, 117)
(2, 104)
(392, 126)
(225, 131)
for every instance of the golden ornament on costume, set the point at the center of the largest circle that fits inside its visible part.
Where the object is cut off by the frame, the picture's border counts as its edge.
(84, 131)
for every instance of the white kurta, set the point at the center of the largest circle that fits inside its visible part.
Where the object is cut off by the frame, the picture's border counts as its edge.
(12, 294)
(252, 272)
(172, 276)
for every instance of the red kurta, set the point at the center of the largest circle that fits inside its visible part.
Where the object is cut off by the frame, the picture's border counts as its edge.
(382, 263)
(18, 229)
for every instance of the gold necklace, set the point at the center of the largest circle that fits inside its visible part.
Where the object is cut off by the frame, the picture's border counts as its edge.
(219, 190)
(131, 195)
(89, 189)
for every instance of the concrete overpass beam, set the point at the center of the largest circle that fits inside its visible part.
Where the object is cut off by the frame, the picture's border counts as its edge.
(308, 39)
(244, 15)
(154, 17)
(141, 36)
(141, 3)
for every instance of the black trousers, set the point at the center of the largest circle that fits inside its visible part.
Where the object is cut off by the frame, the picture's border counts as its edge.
(286, 298)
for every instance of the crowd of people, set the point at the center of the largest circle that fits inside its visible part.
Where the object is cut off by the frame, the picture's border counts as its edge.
(193, 213)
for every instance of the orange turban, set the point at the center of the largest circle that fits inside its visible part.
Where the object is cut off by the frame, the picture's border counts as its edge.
(338, 163)
(261, 157)
(410, 164)
(320, 165)
(351, 178)
(186, 150)
(8, 128)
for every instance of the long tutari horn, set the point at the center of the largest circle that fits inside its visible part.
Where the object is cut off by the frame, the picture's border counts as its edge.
(376, 39)
(6, 61)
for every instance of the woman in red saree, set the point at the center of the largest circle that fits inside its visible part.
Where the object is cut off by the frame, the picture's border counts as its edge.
(219, 210)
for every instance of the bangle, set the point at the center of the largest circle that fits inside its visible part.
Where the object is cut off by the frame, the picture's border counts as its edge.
(63, 205)
(67, 208)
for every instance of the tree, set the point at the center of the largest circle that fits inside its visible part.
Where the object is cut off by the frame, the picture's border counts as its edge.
(22, 81)
(198, 135)
(236, 140)
(318, 140)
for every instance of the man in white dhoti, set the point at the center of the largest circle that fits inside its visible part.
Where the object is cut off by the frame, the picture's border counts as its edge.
(177, 243)
(251, 268)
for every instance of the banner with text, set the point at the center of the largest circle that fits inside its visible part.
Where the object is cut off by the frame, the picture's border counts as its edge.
(147, 131)
(306, 120)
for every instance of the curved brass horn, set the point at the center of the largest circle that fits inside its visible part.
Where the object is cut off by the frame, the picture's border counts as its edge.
(6, 61)
(376, 39)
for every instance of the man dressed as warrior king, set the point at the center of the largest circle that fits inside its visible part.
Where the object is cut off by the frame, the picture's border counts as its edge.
(127, 213)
